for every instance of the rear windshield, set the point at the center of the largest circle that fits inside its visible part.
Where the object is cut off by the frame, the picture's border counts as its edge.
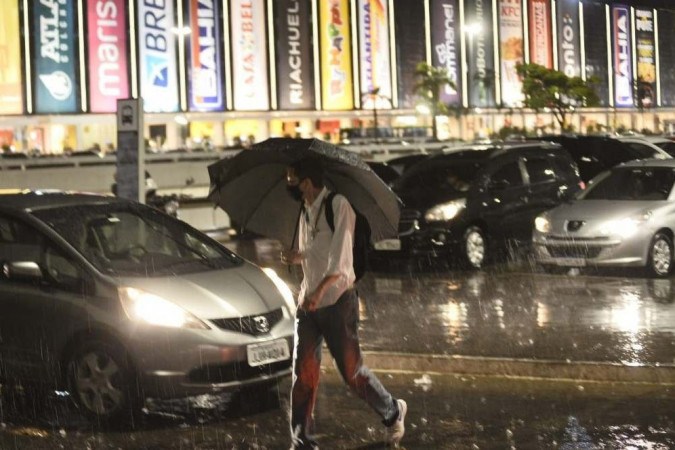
(135, 240)
(635, 183)
(447, 175)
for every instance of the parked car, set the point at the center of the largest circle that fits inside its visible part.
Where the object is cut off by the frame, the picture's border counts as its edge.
(664, 143)
(471, 201)
(625, 218)
(393, 168)
(115, 301)
(595, 154)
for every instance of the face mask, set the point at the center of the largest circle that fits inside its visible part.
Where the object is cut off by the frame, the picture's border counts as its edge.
(294, 192)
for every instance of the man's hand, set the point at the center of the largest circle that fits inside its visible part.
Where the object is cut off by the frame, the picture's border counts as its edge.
(310, 302)
(291, 257)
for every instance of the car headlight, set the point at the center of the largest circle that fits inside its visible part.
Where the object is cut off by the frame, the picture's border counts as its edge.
(154, 310)
(445, 211)
(542, 224)
(283, 288)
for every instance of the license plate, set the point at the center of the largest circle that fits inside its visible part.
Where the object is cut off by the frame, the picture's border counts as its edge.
(571, 262)
(267, 352)
(388, 245)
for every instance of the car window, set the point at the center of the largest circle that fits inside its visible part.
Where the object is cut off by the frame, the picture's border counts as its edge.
(134, 240)
(668, 147)
(643, 183)
(447, 175)
(642, 151)
(508, 176)
(20, 242)
(540, 170)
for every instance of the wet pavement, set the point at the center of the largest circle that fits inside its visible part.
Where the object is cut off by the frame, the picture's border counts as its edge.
(511, 319)
(501, 359)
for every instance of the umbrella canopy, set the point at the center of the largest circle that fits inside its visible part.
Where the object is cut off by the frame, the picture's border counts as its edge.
(251, 187)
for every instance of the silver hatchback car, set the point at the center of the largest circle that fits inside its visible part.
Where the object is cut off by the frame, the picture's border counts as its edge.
(625, 218)
(115, 301)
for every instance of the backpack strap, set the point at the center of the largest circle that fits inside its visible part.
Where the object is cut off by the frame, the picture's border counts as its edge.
(329, 210)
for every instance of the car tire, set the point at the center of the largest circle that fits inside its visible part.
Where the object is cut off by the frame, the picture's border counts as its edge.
(553, 269)
(660, 256)
(474, 248)
(103, 383)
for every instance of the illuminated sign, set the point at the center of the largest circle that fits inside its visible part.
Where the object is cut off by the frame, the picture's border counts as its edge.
(54, 53)
(374, 52)
(480, 51)
(108, 78)
(569, 58)
(249, 55)
(646, 55)
(336, 55)
(157, 56)
(206, 92)
(623, 72)
(511, 50)
(445, 40)
(11, 99)
(295, 82)
(540, 33)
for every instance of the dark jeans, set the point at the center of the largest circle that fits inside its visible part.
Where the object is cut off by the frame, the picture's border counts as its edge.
(338, 325)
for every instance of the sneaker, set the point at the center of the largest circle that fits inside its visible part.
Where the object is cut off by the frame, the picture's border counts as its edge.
(397, 430)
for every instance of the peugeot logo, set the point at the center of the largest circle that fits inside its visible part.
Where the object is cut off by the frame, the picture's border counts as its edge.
(574, 225)
(261, 324)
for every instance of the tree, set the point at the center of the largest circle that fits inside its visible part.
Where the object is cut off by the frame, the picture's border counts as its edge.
(430, 82)
(548, 88)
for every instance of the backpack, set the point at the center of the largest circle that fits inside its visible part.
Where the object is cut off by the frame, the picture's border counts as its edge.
(361, 245)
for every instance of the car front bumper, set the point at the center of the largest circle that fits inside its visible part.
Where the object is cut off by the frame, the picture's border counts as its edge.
(180, 362)
(601, 251)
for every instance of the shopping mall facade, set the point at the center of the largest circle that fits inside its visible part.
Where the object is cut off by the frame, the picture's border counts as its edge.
(221, 70)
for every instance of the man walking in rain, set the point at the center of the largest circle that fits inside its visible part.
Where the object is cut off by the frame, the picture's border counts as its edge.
(328, 308)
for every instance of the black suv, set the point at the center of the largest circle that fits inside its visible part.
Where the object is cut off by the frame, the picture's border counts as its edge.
(470, 199)
(595, 154)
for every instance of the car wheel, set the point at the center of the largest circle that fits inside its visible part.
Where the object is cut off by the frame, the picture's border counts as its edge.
(553, 269)
(103, 383)
(474, 247)
(660, 257)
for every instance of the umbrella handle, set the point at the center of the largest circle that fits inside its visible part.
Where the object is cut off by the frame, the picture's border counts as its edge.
(297, 225)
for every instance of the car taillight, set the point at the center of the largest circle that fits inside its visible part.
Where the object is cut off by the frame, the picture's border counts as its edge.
(582, 185)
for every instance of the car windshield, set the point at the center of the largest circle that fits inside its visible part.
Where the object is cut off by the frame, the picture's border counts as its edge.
(445, 175)
(134, 240)
(633, 183)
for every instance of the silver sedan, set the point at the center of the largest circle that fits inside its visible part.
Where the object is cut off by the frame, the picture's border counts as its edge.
(625, 218)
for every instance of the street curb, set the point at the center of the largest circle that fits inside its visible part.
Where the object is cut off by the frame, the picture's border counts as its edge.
(523, 368)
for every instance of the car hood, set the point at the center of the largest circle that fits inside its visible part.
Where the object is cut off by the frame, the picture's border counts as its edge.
(597, 212)
(217, 294)
(423, 199)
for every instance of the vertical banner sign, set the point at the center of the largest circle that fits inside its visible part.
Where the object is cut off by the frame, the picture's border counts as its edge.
(667, 57)
(595, 48)
(108, 74)
(622, 59)
(445, 46)
(411, 48)
(646, 55)
(541, 49)
(157, 56)
(374, 48)
(480, 53)
(569, 44)
(11, 99)
(204, 60)
(295, 66)
(249, 55)
(53, 42)
(336, 55)
(511, 50)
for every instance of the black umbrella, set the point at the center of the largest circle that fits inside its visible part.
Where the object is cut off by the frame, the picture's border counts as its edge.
(251, 187)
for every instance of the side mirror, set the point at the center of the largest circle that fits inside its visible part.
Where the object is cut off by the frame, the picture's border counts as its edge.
(22, 270)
